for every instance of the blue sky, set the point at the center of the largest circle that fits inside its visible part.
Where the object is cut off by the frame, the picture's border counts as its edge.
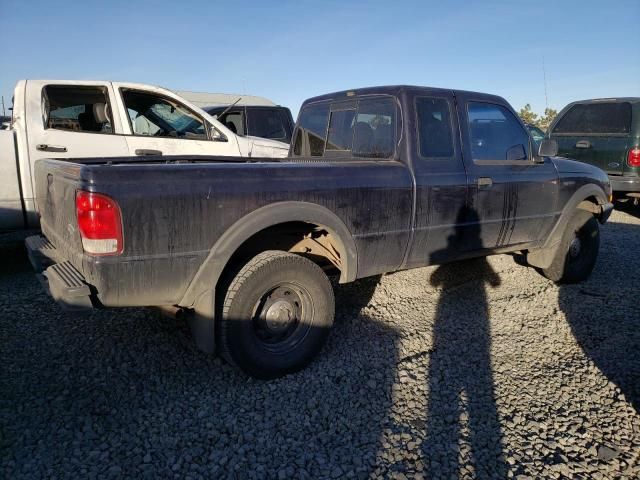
(292, 50)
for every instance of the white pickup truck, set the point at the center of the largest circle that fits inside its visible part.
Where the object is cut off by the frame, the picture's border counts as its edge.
(73, 119)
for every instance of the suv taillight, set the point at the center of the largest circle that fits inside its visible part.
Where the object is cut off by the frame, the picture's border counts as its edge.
(633, 159)
(99, 222)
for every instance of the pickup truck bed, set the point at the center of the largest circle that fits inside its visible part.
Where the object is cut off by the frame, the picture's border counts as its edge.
(208, 234)
(164, 248)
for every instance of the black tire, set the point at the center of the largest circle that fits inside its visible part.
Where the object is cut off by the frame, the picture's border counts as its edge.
(578, 250)
(276, 315)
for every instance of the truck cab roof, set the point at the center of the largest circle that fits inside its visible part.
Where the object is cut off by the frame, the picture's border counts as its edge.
(395, 90)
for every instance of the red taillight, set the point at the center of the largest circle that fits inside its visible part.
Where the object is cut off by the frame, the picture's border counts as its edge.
(99, 222)
(633, 159)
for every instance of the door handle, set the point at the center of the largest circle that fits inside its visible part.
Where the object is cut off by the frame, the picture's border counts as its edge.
(146, 151)
(43, 147)
(583, 144)
(484, 182)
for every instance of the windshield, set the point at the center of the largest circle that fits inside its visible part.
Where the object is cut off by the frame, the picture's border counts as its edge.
(536, 133)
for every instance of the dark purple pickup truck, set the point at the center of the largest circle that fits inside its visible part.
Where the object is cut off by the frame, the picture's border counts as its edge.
(377, 180)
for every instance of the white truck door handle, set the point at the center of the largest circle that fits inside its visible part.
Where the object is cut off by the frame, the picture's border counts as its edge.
(43, 147)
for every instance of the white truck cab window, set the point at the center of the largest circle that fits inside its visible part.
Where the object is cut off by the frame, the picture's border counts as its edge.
(76, 108)
(153, 115)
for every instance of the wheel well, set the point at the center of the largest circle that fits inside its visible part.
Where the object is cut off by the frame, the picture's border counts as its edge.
(590, 204)
(311, 240)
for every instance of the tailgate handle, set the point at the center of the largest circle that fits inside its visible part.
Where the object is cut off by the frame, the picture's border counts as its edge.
(147, 151)
(484, 182)
(43, 147)
(583, 144)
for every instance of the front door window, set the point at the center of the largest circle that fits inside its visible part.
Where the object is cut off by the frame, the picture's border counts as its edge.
(156, 116)
(495, 134)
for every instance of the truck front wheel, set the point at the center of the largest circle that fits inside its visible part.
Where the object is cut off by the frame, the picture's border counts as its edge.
(276, 315)
(577, 253)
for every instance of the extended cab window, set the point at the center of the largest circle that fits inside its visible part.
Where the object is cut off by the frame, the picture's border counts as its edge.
(77, 108)
(603, 118)
(374, 130)
(153, 115)
(434, 127)
(495, 133)
(312, 130)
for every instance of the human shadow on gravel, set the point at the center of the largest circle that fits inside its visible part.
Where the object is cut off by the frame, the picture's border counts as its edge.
(603, 312)
(464, 437)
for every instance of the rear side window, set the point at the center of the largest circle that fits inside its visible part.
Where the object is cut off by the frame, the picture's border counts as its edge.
(434, 127)
(77, 108)
(312, 131)
(590, 118)
(268, 123)
(495, 133)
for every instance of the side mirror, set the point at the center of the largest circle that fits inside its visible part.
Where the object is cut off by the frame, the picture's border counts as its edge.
(548, 148)
(517, 152)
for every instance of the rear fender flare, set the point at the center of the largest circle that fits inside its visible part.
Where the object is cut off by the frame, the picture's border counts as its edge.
(200, 295)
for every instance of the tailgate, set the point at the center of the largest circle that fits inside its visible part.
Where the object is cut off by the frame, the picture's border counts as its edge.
(606, 153)
(56, 185)
(596, 132)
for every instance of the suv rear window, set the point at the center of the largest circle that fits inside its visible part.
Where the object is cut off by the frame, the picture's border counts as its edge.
(596, 118)
(268, 123)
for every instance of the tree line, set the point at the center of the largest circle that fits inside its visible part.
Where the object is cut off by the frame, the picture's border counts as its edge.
(541, 121)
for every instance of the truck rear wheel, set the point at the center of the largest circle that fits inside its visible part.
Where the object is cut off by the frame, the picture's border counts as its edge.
(276, 315)
(578, 250)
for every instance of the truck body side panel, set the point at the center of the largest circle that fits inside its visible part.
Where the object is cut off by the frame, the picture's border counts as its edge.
(174, 213)
(11, 204)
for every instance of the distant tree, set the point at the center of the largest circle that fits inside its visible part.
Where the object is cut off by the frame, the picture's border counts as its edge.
(528, 116)
(547, 118)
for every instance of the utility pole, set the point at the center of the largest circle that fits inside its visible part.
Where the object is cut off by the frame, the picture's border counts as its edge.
(3, 112)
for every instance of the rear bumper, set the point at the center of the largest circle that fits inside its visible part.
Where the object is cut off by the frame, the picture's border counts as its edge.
(625, 184)
(58, 276)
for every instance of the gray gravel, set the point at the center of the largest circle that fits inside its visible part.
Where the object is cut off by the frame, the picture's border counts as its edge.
(475, 370)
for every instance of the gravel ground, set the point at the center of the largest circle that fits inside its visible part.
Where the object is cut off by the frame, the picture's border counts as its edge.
(482, 369)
